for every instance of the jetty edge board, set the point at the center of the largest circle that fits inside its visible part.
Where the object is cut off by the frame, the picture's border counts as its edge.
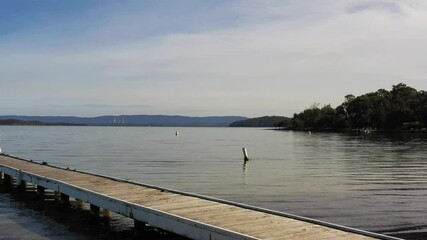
(191, 215)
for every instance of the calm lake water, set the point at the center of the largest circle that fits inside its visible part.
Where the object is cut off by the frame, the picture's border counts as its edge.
(373, 182)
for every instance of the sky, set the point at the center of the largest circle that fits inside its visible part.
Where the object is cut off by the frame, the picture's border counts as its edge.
(204, 58)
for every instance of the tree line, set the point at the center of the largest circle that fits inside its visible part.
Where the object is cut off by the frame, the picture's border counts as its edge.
(402, 108)
(266, 121)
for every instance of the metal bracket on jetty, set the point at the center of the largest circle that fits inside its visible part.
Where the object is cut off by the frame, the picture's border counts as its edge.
(191, 215)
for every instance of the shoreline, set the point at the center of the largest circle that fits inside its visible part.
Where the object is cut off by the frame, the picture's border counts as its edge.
(357, 130)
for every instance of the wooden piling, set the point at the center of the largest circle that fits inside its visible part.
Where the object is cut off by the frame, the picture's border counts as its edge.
(6, 182)
(139, 228)
(21, 186)
(65, 200)
(245, 154)
(40, 191)
(7, 179)
(94, 210)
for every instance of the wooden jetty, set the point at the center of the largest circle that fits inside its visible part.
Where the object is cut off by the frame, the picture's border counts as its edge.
(186, 214)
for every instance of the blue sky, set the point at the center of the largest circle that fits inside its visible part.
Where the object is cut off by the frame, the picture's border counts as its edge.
(203, 58)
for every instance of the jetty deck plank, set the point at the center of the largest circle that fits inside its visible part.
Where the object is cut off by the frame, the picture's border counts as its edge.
(252, 223)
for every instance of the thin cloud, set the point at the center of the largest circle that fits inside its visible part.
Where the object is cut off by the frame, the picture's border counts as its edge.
(276, 57)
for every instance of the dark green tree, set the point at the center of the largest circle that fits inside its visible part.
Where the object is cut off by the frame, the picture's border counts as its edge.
(401, 108)
(327, 118)
(403, 104)
(422, 108)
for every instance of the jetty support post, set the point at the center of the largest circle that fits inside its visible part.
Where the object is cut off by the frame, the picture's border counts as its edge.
(94, 210)
(40, 191)
(65, 200)
(6, 182)
(7, 179)
(21, 185)
(139, 228)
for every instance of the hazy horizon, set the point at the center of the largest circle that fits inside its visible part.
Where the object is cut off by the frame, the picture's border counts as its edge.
(211, 58)
(121, 115)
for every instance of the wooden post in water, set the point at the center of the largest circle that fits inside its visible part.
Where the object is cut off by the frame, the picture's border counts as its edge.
(94, 210)
(65, 200)
(40, 191)
(21, 185)
(139, 228)
(7, 182)
(245, 154)
(2, 184)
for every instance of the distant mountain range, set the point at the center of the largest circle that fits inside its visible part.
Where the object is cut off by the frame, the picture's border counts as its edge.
(130, 120)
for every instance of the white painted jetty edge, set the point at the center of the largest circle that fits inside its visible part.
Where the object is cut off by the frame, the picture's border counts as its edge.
(157, 218)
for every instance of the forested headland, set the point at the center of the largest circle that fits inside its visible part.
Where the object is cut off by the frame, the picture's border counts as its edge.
(402, 108)
(266, 121)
